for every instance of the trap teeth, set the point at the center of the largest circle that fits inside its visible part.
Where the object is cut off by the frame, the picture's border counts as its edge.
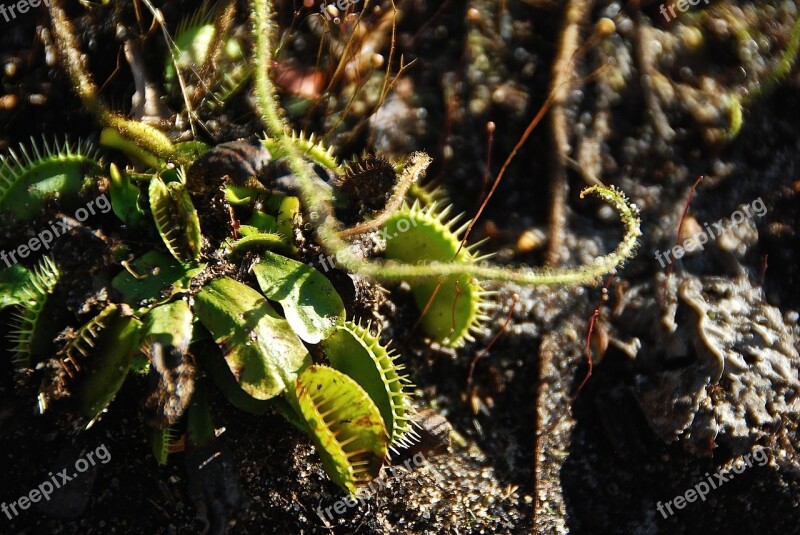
(353, 350)
(452, 305)
(27, 323)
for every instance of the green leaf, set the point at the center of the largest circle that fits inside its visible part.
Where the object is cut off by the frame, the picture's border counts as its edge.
(125, 198)
(241, 196)
(256, 241)
(110, 137)
(190, 48)
(263, 222)
(345, 424)
(289, 215)
(310, 302)
(224, 380)
(157, 273)
(261, 349)
(12, 286)
(170, 325)
(82, 345)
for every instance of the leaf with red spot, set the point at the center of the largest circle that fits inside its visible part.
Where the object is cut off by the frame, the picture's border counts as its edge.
(344, 423)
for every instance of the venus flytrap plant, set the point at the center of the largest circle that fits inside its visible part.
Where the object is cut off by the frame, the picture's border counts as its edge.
(264, 353)
(193, 293)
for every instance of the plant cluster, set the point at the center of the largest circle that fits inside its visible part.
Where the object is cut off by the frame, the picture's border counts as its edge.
(223, 292)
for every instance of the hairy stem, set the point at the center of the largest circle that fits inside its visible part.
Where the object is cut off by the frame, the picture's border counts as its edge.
(318, 200)
(314, 198)
(587, 274)
(145, 136)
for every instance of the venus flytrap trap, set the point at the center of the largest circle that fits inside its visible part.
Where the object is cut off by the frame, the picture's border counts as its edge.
(354, 350)
(454, 306)
(32, 175)
(30, 329)
(176, 219)
(195, 295)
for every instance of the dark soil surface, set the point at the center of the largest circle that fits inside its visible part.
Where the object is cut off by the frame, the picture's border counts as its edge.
(695, 364)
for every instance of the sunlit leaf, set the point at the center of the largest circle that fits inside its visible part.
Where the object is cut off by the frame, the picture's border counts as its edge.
(260, 347)
(309, 300)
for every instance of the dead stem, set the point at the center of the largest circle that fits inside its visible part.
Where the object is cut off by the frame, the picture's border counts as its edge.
(576, 13)
(415, 168)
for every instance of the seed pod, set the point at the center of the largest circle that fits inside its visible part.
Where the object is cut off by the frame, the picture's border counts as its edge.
(369, 183)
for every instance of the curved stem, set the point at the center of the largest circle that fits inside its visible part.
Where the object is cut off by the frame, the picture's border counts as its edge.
(319, 200)
(587, 274)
